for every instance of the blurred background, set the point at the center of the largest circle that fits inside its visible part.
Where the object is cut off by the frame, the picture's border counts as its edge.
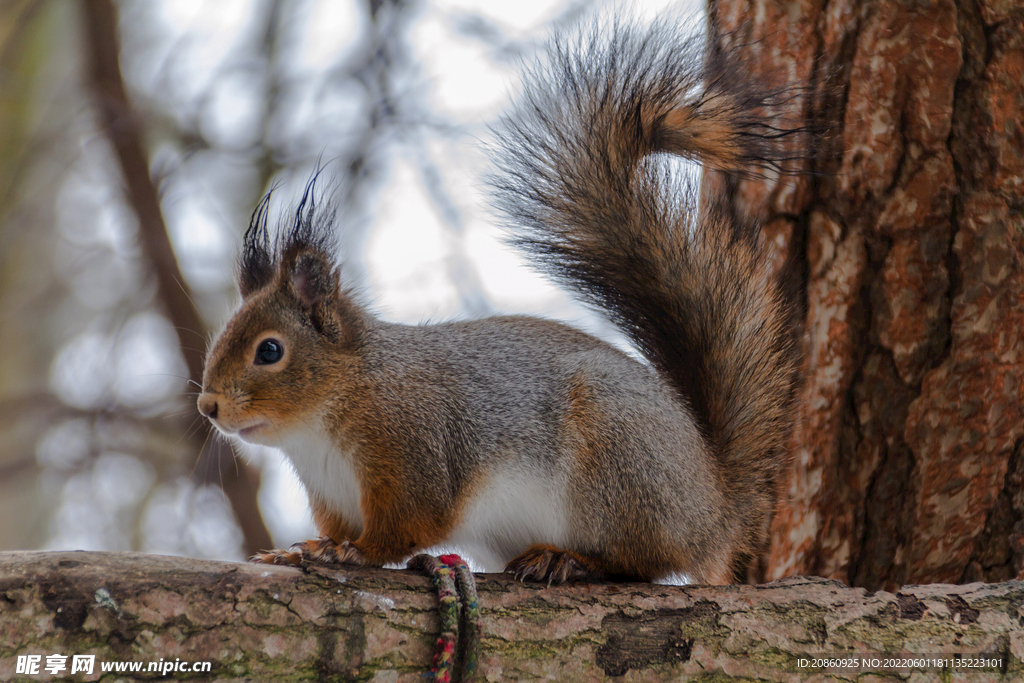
(135, 139)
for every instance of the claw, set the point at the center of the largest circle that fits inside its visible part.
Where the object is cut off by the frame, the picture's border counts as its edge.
(277, 556)
(547, 563)
(320, 551)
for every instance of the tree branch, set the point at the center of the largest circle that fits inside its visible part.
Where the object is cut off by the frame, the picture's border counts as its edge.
(259, 622)
(239, 481)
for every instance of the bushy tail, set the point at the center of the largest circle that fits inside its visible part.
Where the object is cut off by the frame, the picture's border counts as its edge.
(597, 209)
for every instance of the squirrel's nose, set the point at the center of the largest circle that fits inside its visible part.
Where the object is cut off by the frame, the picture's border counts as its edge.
(208, 406)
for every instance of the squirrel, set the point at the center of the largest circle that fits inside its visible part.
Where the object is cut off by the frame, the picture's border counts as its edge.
(532, 446)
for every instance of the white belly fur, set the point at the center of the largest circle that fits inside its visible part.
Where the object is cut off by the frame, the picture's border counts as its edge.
(514, 509)
(326, 471)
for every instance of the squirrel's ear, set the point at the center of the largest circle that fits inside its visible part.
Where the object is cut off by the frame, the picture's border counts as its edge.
(314, 282)
(313, 279)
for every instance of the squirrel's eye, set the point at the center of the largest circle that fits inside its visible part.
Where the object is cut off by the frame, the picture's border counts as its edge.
(269, 351)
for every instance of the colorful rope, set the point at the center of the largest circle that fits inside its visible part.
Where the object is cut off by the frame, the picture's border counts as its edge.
(458, 649)
(469, 635)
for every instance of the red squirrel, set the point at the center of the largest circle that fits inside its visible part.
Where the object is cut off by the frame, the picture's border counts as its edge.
(532, 446)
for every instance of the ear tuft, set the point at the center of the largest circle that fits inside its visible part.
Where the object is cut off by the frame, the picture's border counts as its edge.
(256, 267)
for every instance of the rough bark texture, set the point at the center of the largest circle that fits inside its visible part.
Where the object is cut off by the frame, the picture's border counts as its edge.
(257, 622)
(909, 463)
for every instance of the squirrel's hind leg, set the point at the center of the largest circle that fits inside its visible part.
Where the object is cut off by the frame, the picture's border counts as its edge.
(546, 563)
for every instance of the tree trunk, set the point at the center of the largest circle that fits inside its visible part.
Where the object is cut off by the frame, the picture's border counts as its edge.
(259, 622)
(909, 465)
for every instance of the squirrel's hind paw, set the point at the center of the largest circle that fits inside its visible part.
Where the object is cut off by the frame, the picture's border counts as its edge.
(546, 563)
(320, 551)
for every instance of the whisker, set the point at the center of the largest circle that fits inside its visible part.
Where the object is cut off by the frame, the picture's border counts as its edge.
(201, 335)
(190, 433)
(188, 295)
(180, 413)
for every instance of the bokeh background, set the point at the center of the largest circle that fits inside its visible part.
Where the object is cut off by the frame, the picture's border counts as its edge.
(100, 443)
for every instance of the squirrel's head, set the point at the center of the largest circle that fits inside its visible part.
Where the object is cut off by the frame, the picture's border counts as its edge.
(295, 337)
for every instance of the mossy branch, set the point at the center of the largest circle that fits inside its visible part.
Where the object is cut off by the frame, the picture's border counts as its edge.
(259, 622)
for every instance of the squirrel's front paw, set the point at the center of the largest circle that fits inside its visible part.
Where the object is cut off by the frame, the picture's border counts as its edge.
(548, 563)
(320, 551)
(277, 556)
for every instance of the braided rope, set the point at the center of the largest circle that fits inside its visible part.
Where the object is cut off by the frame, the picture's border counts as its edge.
(469, 636)
(443, 667)
(458, 649)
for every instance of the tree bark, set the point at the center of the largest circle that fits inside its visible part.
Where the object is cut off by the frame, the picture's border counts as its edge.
(259, 622)
(909, 460)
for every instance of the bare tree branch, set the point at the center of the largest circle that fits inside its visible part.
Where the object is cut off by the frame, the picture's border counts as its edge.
(239, 481)
(260, 622)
